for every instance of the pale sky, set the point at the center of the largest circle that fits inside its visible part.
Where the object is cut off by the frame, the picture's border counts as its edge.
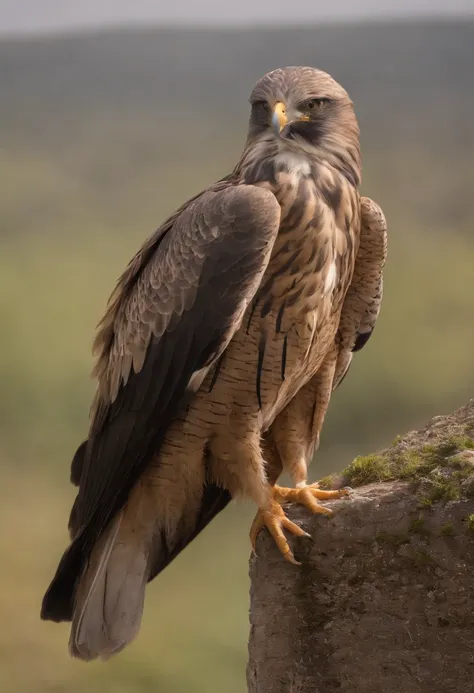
(46, 15)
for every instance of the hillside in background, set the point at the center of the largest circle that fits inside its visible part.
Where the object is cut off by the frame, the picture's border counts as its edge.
(103, 135)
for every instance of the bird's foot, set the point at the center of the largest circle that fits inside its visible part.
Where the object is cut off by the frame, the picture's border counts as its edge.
(308, 495)
(274, 519)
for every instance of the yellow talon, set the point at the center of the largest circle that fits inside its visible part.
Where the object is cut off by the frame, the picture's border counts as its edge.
(308, 496)
(274, 519)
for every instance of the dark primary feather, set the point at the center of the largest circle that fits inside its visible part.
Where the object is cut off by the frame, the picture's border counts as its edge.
(195, 280)
(361, 340)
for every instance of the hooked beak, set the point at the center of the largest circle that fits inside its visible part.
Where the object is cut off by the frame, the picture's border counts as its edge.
(280, 118)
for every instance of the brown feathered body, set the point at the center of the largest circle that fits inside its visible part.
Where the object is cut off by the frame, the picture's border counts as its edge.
(222, 318)
(293, 438)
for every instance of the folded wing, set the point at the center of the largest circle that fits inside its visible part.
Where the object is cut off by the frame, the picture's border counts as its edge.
(364, 297)
(172, 315)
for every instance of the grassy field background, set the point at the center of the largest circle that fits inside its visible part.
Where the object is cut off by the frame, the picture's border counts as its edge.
(103, 135)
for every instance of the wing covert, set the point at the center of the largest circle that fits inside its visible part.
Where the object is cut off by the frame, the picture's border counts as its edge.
(172, 315)
(364, 296)
(184, 308)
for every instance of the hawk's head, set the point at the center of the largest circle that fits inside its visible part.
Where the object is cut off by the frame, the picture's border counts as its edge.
(304, 109)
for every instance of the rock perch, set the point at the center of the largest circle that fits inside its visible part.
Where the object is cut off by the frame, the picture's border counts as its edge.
(384, 599)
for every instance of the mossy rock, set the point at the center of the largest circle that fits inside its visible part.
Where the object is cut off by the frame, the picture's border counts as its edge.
(439, 460)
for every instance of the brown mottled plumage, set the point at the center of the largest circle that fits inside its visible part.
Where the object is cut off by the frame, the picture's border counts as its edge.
(227, 312)
(293, 438)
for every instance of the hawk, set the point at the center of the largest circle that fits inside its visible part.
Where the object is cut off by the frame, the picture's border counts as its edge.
(217, 355)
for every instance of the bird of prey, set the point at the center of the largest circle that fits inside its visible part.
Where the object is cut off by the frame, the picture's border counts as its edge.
(235, 320)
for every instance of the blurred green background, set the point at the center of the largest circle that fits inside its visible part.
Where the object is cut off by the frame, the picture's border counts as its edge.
(103, 135)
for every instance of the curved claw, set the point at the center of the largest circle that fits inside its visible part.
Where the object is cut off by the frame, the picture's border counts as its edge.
(275, 520)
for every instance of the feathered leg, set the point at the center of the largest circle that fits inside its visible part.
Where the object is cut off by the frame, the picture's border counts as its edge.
(294, 437)
(239, 465)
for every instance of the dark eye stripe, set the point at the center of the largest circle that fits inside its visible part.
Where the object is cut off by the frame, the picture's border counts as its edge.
(261, 104)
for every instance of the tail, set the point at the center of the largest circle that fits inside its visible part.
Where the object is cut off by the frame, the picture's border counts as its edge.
(103, 591)
(110, 595)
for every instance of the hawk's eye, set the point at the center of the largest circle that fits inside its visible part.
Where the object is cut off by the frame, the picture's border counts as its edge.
(263, 105)
(316, 103)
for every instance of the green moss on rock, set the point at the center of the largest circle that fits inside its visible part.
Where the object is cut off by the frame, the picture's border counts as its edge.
(447, 530)
(391, 465)
(456, 443)
(440, 467)
(365, 470)
(327, 482)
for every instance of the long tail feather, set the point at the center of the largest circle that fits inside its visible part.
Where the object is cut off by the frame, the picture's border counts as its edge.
(104, 594)
(109, 598)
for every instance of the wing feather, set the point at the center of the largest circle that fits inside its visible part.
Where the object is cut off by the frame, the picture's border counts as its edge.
(172, 315)
(364, 297)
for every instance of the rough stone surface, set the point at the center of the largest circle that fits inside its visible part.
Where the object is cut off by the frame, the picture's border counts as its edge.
(383, 601)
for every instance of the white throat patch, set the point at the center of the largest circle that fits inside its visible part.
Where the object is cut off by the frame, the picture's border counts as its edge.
(296, 164)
